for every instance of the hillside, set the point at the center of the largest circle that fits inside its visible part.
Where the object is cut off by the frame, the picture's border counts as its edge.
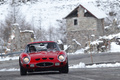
(46, 12)
(47, 15)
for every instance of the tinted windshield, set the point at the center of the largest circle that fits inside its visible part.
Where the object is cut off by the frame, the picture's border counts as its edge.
(49, 46)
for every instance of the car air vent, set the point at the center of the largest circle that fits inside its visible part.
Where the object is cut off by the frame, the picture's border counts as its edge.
(44, 64)
(37, 59)
(51, 58)
(44, 58)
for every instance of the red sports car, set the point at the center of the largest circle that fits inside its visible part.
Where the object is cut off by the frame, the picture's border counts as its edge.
(43, 56)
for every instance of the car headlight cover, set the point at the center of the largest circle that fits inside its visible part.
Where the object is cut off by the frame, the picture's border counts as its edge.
(26, 60)
(61, 58)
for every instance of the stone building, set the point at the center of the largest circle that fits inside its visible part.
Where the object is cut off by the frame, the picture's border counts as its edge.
(19, 39)
(84, 23)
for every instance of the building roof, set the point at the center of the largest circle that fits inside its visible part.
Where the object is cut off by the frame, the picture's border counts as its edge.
(99, 14)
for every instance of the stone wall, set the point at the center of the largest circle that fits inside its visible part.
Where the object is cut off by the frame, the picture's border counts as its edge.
(100, 27)
(25, 38)
(82, 37)
(85, 23)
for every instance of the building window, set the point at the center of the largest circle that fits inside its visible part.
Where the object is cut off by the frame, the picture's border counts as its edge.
(75, 22)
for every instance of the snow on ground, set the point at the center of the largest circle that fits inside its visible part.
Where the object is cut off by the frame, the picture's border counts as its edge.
(9, 58)
(11, 69)
(114, 47)
(82, 65)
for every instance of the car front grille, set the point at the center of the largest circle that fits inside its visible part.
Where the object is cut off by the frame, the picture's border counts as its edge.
(44, 64)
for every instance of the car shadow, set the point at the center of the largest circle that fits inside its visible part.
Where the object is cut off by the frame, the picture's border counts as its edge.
(44, 73)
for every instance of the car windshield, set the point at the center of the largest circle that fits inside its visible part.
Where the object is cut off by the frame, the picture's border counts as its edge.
(48, 46)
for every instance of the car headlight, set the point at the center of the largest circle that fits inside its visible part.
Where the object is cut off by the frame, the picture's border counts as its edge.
(61, 58)
(26, 60)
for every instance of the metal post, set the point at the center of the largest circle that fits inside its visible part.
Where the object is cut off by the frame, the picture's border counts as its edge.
(91, 53)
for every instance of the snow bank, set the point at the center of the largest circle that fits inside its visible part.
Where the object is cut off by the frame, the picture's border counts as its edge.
(82, 65)
(114, 47)
(9, 58)
(103, 65)
(11, 69)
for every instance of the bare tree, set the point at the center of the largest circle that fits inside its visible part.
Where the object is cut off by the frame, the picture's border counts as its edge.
(11, 18)
(41, 35)
(61, 30)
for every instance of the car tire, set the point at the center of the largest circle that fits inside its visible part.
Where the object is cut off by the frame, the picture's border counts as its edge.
(23, 71)
(64, 69)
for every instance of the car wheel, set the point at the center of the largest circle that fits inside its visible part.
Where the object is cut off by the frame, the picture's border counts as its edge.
(64, 69)
(23, 71)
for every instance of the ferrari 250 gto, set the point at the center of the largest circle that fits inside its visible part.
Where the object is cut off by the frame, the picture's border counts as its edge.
(43, 56)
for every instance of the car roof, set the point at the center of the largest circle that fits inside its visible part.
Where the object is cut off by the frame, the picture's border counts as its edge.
(40, 42)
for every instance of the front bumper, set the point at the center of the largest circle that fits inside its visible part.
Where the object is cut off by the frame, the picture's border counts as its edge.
(44, 66)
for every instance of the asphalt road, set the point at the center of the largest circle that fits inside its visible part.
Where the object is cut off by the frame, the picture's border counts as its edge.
(74, 74)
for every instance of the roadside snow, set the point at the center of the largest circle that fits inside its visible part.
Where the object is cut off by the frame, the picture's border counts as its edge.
(82, 65)
(9, 58)
(11, 69)
(114, 47)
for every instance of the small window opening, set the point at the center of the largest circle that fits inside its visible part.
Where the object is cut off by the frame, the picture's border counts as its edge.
(75, 22)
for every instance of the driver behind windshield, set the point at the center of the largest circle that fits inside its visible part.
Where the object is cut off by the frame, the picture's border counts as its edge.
(32, 49)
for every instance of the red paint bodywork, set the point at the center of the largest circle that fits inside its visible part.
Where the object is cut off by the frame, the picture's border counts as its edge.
(51, 56)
